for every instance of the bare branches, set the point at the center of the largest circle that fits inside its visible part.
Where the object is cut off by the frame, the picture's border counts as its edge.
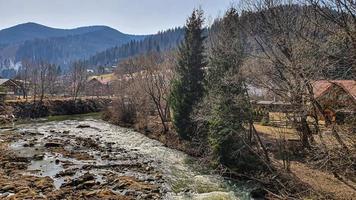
(78, 78)
(146, 81)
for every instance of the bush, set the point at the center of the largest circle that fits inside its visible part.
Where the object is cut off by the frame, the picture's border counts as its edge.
(122, 112)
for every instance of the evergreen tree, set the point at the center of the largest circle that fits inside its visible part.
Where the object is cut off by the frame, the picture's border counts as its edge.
(187, 89)
(228, 100)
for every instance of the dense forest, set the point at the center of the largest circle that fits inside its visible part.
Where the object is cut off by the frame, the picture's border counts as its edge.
(64, 50)
(160, 42)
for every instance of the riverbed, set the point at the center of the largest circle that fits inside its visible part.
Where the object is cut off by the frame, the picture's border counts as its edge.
(89, 158)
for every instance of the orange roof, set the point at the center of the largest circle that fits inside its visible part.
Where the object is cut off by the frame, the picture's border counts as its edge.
(322, 86)
(105, 78)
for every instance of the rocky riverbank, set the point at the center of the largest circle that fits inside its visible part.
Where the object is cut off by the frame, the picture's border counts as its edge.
(22, 109)
(57, 165)
(91, 159)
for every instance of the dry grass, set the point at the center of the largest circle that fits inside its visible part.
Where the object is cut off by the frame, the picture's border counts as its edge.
(273, 133)
(320, 179)
(323, 182)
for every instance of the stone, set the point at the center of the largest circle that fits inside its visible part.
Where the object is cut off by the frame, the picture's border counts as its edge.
(82, 179)
(8, 188)
(52, 144)
(68, 172)
(91, 193)
(38, 157)
(86, 185)
(83, 126)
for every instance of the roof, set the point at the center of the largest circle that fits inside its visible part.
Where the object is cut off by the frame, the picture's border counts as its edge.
(104, 79)
(3, 80)
(322, 86)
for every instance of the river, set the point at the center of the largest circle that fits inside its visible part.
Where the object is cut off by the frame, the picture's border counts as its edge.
(180, 176)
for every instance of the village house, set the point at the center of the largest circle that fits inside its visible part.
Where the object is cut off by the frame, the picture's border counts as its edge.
(11, 88)
(101, 85)
(337, 97)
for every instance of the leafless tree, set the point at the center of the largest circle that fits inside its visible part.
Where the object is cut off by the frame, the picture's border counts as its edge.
(24, 73)
(43, 68)
(156, 78)
(52, 79)
(279, 31)
(144, 81)
(78, 78)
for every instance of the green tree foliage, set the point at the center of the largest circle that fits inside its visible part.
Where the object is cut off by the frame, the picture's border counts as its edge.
(187, 88)
(227, 93)
(162, 41)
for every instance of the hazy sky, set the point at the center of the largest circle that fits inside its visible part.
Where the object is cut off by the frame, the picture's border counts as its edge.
(129, 16)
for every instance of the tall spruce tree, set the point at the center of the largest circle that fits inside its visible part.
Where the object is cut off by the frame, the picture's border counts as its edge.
(228, 100)
(187, 88)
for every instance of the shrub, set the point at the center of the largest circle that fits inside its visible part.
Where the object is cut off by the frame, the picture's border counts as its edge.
(122, 112)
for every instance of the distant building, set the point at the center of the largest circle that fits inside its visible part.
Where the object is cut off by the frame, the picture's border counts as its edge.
(336, 97)
(90, 71)
(11, 88)
(101, 85)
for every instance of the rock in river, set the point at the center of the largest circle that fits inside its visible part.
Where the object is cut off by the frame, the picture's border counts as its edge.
(52, 144)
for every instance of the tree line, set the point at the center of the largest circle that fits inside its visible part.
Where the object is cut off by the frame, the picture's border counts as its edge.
(40, 80)
(160, 42)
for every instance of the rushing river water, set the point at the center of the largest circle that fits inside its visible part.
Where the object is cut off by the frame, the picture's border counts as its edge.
(183, 177)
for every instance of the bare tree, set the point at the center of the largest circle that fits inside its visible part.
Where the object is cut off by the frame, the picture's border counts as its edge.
(34, 80)
(78, 78)
(144, 81)
(339, 21)
(24, 73)
(279, 31)
(43, 78)
(52, 79)
(156, 78)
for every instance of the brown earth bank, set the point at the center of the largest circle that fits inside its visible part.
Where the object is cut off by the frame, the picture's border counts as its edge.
(22, 109)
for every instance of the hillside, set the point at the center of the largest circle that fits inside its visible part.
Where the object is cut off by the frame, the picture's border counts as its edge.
(30, 31)
(58, 46)
(162, 41)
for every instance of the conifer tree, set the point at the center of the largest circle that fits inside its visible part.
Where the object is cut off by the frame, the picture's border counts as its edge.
(228, 100)
(187, 88)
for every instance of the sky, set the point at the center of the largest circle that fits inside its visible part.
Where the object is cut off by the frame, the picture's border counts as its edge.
(128, 16)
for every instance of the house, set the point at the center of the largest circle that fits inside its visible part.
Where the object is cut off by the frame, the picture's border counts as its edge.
(337, 97)
(101, 85)
(11, 88)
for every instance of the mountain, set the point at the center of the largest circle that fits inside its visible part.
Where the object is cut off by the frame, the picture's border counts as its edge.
(63, 50)
(162, 41)
(30, 31)
(58, 46)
